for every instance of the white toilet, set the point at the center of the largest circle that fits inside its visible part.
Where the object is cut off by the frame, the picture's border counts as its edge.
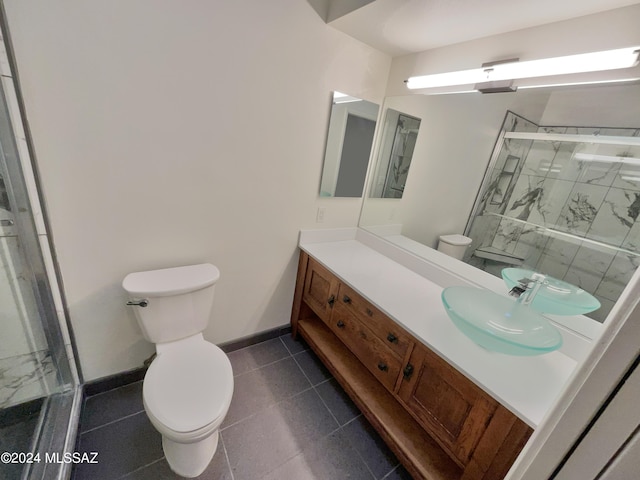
(454, 245)
(188, 387)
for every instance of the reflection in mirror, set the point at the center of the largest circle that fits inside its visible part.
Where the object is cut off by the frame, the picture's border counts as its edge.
(526, 188)
(349, 141)
(399, 135)
(563, 201)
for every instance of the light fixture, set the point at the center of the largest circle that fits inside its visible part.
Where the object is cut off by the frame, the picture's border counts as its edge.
(591, 157)
(513, 69)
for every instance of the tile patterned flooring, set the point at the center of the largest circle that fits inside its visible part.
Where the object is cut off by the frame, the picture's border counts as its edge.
(288, 419)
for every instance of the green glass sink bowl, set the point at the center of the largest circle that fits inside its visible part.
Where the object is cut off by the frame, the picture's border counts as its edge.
(499, 323)
(555, 296)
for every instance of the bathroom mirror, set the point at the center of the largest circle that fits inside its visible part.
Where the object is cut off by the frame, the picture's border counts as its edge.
(398, 141)
(349, 141)
(454, 151)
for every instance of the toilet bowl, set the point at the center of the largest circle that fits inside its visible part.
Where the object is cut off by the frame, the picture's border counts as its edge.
(188, 387)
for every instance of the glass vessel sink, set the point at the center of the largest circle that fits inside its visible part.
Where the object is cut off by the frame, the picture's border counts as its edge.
(554, 296)
(500, 323)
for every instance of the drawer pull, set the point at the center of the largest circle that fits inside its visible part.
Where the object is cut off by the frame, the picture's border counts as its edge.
(346, 299)
(382, 367)
(369, 312)
(332, 300)
(408, 371)
(392, 338)
(340, 324)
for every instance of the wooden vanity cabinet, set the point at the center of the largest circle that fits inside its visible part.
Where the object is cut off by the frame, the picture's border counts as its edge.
(379, 359)
(439, 424)
(320, 289)
(446, 403)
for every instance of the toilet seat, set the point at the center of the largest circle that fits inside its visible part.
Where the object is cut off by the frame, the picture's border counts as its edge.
(188, 389)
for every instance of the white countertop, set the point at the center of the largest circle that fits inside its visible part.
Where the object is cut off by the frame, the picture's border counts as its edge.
(528, 386)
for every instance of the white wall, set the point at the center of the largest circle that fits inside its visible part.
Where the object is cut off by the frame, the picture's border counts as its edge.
(171, 133)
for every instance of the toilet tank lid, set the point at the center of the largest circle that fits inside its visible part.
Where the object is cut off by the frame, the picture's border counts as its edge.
(171, 281)
(455, 239)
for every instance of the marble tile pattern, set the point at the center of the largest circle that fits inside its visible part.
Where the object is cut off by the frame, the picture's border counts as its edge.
(581, 190)
(26, 377)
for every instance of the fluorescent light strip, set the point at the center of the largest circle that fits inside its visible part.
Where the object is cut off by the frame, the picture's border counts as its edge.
(590, 157)
(581, 63)
(577, 84)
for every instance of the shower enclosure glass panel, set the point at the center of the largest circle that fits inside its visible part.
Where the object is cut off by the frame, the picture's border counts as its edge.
(38, 391)
(563, 201)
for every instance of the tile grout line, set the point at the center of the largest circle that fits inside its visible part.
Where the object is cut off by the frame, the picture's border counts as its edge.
(266, 408)
(261, 366)
(226, 456)
(366, 464)
(112, 422)
(111, 390)
(141, 468)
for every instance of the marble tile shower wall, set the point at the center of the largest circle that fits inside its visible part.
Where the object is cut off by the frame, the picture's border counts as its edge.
(592, 208)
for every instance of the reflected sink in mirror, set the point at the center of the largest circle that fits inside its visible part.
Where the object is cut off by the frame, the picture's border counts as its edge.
(498, 323)
(554, 296)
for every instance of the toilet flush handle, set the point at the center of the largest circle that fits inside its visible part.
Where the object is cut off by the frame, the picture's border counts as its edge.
(139, 303)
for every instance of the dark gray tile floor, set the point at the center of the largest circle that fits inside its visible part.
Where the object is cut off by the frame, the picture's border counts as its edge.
(288, 419)
(16, 437)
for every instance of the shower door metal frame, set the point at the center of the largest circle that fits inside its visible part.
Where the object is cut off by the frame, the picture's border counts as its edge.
(33, 259)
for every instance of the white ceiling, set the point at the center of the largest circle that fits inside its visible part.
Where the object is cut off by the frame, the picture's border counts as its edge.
(400, 27)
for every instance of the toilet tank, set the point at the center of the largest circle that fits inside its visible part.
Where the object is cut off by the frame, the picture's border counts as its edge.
(179, 300)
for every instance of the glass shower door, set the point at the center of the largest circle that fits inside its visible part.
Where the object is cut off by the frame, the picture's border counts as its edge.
(39, 397)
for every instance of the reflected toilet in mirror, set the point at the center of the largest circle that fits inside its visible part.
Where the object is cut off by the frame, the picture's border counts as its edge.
(349, 141)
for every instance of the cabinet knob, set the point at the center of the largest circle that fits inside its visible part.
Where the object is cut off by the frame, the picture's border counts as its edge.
(340, 324)
(382, 367)
(346, 299)
(369, 312)
(408, 371)
(332, 300)
(392, 338)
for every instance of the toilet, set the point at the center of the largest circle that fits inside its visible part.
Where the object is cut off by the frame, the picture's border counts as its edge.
(188, 387)
(454, 245)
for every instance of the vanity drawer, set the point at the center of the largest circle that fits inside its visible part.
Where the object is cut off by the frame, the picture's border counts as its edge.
(381, 361)
(387, 330)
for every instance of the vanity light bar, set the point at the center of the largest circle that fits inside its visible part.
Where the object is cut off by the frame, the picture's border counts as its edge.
(589, 157)
(581, 63)
(577, 84)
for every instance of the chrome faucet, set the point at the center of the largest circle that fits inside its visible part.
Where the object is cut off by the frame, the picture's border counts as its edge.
(527, 288)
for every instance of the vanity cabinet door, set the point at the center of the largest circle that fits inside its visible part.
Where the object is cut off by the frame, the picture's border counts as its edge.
(447, 404)
(379, 359)
(387, 330)
(320, 290)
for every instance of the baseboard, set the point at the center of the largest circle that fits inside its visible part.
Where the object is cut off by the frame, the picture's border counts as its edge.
(255, 338)
(104, 384)
(111, 382)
